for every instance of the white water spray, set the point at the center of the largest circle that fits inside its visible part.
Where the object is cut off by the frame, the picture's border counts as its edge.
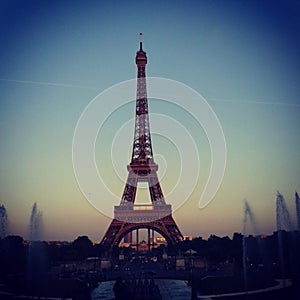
(3, 222)
(36, 224)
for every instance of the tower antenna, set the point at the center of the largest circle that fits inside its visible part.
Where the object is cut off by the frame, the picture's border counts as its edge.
(141, 41)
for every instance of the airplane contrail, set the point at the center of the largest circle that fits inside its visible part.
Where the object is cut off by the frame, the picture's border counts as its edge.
(50, 84)
(252, 102)
(97, 88)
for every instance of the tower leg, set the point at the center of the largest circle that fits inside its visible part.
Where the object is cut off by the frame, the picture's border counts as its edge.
(152, 238)
(149, 241)
(137, 240)
(128, 238)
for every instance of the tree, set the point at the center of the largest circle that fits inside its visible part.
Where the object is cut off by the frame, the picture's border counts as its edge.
(12, 255)
(83, 246)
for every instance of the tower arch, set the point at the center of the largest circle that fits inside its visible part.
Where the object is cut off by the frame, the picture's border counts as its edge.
(143, 226)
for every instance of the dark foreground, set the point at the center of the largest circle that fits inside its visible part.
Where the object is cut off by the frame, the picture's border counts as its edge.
(215, 270)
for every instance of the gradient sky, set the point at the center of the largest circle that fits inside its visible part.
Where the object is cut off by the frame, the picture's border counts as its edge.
(56, 56)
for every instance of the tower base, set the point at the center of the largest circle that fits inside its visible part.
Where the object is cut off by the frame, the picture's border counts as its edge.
(133, 217)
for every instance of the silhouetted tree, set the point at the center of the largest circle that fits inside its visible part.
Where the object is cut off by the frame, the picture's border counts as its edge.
(12, 255)
(83, 246)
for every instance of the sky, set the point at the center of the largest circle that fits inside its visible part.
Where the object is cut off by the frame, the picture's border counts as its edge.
(57, 56)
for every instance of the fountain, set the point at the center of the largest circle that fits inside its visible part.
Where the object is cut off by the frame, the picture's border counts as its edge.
(283, 223)
(248, 216)
(297, 200)
(35, 224)
(3, 222)
(36, 257)
(283, 219)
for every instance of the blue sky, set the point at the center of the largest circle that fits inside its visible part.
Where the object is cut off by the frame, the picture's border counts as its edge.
(56, 56)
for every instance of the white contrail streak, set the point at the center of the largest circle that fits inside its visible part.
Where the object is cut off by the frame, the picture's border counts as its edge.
(252, 102)
(50, 84)
(97, 88)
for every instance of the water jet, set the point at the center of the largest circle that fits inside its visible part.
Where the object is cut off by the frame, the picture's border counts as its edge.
(3, 222)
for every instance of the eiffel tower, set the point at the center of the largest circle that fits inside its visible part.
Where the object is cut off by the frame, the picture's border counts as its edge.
(128, 216)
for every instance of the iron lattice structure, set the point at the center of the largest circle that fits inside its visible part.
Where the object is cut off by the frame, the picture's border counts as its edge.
(129, 216)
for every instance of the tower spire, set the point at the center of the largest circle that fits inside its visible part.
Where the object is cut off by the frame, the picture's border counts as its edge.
(141, 41)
